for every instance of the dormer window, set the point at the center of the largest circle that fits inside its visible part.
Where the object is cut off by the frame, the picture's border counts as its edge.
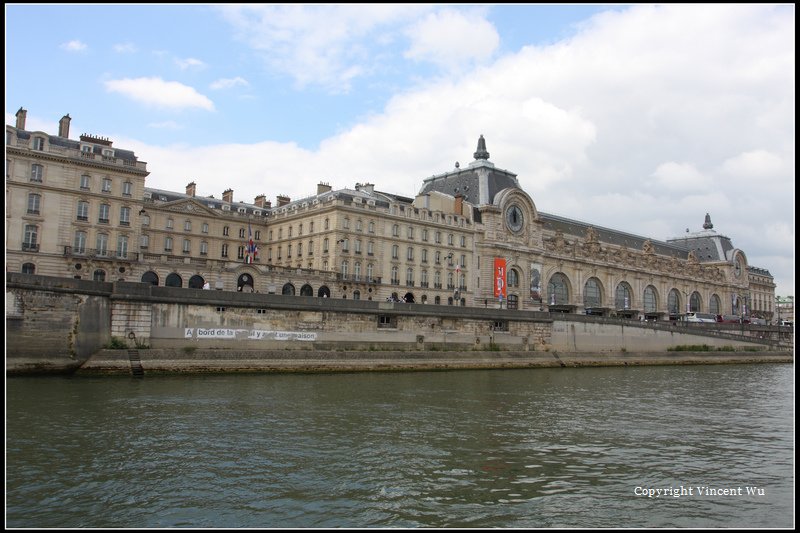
(38, 143)
(87, 149)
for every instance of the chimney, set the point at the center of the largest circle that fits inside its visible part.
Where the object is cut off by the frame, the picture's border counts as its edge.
(323, 187)
(267, 205)
(459, 205)
(191, 189)
(227, 196)
(21, 114)
(368, 188)
(283, 200)
(260, 200)
(63, 126)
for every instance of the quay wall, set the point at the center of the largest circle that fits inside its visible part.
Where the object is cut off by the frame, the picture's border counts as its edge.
(63, 324)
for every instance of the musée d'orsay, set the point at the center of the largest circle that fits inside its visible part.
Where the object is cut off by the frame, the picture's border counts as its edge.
(471, 236)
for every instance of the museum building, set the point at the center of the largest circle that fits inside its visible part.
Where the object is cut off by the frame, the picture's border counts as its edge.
(471, 236)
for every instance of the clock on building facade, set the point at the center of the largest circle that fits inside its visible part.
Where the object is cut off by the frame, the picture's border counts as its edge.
(514, 218)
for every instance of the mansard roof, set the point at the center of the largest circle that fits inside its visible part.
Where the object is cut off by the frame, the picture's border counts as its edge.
(479, 183)
(707, 244)
(579, 229)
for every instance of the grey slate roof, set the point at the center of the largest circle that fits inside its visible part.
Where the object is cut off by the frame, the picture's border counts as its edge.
(579, 229)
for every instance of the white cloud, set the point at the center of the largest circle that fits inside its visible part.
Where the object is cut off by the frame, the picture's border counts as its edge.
(74, 46)
(160, 93)
(326, 45)
(125, 48)
(680, 177)
(644, 121)
(189, 62)
(228, 83)
(451, 38)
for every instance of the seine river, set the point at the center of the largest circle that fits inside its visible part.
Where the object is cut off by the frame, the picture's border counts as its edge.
(661, 446)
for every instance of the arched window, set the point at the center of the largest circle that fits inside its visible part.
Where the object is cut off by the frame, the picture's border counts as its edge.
(437, 300)
(288, 290)
(245, 283)
(650, 300)
(592, 296)
(196, 282)
(357, 294)
(558, 290)
(99, 275)
(173, 280)
(28, 268)
(513, 278)
(306, 290)
(714, 305)
(623, 296)
(395, 275)
(694, 302)
(150, 277)
(674, 302)
(324, 292)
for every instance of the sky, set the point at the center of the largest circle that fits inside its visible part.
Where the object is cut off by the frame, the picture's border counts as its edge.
(639, 118)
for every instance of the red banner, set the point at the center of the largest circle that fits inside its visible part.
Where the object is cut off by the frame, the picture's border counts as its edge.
(499, 277)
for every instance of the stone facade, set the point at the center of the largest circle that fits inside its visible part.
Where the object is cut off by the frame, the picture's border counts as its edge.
(81, 209)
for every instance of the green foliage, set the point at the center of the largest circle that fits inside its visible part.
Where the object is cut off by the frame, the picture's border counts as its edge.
(117, 344)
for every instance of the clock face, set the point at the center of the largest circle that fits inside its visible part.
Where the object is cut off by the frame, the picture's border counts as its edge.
(514, 218)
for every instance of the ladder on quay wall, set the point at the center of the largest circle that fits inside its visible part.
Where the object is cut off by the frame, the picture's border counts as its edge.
(136, 364)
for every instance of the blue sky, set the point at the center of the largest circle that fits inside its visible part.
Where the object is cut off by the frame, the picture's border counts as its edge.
(639, 118)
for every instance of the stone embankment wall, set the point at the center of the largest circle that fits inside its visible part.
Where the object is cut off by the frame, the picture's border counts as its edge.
(58, 324)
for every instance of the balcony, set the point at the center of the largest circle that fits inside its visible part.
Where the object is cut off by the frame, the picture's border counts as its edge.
(30, 247)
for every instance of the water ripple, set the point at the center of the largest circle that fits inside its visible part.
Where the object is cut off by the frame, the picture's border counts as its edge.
(539, 448)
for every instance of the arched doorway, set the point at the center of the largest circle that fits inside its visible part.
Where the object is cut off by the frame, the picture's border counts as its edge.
(196, 282)
(288, 290)
(244, 283)
(174, 280)
(99, 275)
(306, 290)
(409, 298)
(150, 277)
(324, 292)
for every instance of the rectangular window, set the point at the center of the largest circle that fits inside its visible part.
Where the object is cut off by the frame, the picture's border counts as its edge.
(104, 213)
(29, 243)
(145, 220)
(85, 182)
(122, 246)
(38, 143)
(203, 248)
(34, 201)
(102, 244)
(168, 244)
(187, 246)
(37, 172)
(145, 242)
(125, 216)
(127, 187)
(106, 185)
(224, 250)
(80, 242)
(187, 226)
(205, 227)
(169, 223)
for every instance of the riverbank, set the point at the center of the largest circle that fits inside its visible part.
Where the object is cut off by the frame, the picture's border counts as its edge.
(232, 361)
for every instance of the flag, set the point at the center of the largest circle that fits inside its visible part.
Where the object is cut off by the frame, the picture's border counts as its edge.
(251, 250)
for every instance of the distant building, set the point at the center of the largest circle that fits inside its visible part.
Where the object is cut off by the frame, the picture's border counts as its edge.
(471, 236)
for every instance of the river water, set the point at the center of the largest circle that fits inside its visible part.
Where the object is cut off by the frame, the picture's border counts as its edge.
(549, 448)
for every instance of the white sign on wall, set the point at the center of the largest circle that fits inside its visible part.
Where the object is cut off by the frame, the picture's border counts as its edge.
(248, 334)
